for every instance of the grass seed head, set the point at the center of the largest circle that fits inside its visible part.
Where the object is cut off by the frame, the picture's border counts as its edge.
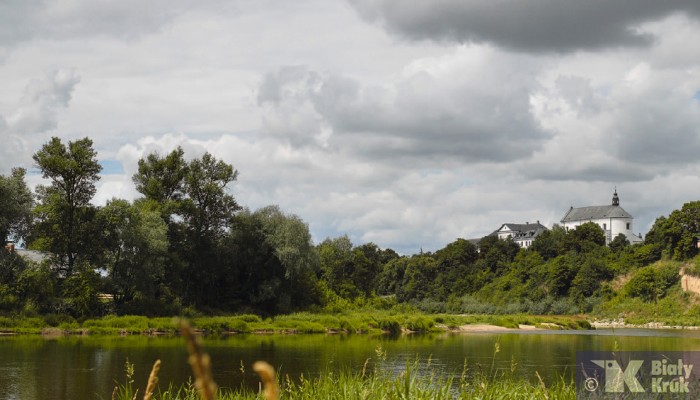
(267, 375)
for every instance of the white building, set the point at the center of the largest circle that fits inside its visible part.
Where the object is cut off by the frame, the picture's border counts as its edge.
(613, 219)
(522, 234)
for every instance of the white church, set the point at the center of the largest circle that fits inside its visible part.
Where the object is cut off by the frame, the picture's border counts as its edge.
(613, 219)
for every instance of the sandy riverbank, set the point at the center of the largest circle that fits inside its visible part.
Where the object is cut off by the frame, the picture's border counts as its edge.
(496, 328)
(621, 324)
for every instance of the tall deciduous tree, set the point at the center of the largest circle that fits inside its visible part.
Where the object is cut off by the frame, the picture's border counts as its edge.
(336, 265)
(162, 179)
(291, 242)
(206, 212)
(272, 266)
(208, 208)
(677, 236)
(65, 211)
(136, 245)
(584, 238)
(16, 203)
(194, 201)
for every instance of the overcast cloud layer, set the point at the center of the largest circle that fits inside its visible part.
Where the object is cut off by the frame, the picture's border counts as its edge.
(390, 121)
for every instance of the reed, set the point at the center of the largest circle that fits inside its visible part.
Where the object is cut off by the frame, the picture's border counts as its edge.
(200, 363)
(347, 385)
(152, 381)
(267, 374)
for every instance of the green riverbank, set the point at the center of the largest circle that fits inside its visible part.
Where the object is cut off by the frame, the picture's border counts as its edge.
(374, 322)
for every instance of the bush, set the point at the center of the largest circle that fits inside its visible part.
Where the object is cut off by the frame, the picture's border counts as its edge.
(563, 306)
(419, 324)
(249, 318)
(300, 326)
(539, 307)
(431, 306)
(55, 320)
(514, 308)
(470, 305)
(382, 302)
(390, 325)
(652, 283)
(346, 326)
(221, 324)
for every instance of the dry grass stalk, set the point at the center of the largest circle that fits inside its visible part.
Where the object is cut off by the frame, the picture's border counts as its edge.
(200, 363)
(114, 393)
(544, 388)
(364, 368)
(267, 374)
(152, 381)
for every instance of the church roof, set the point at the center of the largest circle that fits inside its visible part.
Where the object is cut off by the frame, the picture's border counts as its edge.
(523, 227)
(595, 212)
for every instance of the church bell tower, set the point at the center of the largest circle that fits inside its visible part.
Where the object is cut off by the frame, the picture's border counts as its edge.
(616, 200)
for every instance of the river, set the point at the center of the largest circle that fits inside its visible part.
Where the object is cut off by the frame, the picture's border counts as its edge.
(33, 367)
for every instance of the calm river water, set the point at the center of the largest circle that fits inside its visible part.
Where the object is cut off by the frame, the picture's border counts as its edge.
(87, 367)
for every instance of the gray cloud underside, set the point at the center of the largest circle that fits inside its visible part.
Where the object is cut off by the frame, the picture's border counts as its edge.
(659, 132)
(413, 120)
(24, 20)
(600, 173)
(532, 26)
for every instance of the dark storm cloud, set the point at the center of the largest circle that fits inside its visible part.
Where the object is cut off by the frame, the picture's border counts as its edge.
(530, 26)
(613, 172)
(653, 132)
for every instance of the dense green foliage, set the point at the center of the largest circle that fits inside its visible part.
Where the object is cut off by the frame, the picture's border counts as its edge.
(187, 246)
(16, 203)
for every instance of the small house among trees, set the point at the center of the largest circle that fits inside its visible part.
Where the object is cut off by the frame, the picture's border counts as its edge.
(522, 234)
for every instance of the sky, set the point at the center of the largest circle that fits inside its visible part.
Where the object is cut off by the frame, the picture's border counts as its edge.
(408, 124)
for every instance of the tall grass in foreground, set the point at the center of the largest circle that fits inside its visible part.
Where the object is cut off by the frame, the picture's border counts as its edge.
(351, 386)
(343, 385)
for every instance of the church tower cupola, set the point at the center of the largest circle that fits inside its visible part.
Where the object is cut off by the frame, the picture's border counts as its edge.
(616, 200)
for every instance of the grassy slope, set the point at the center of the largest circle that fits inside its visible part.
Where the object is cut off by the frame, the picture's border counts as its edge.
(675, 308)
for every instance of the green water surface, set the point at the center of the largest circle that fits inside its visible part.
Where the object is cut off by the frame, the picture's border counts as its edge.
(33, 367)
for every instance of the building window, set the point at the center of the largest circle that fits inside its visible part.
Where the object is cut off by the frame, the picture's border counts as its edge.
(628, 226)
(605, 227)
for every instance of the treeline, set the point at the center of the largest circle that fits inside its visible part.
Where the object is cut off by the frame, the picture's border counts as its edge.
(186, 245)
(562, 272)
(565, 272)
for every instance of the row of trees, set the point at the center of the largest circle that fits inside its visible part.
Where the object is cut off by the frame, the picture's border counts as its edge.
(186, 242)
(561, 272)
